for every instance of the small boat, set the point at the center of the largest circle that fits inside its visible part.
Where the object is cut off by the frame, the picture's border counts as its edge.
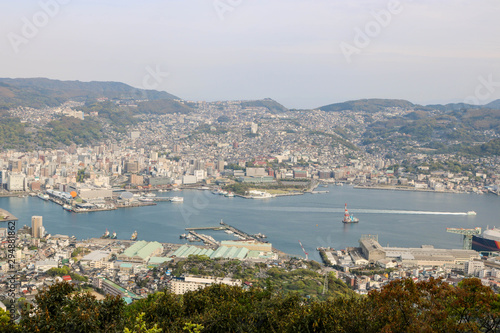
(229, 195)
(106, 234)
(134, 236)
(471, 212)
(150, 195)
(349, 218)
(113, 236)
(177, 199)
(183, 236)
(67, 208)
(144, 199)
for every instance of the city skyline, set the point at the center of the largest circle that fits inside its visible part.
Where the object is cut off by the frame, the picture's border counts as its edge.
(302, 54)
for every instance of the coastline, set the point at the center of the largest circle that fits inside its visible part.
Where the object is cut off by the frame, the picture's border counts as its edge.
(401, 188)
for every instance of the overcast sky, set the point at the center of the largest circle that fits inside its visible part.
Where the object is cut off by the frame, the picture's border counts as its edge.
(302, 53)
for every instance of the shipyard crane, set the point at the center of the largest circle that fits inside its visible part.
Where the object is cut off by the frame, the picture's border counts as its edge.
(468, 233)
(307, 254)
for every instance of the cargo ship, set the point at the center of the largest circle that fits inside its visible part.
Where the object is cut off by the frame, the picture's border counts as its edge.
(348, 218)
(489, 241)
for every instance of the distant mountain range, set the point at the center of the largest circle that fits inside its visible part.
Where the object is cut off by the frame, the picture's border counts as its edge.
(375, 105)
(40, 92)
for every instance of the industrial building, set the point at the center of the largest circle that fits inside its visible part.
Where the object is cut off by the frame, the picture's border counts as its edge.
(230, 250)
(426, 255)
(111, 288)
(141, 252)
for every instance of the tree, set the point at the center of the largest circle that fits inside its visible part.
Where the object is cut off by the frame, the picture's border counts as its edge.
(6, 325)
(61, 309)
(140, 326)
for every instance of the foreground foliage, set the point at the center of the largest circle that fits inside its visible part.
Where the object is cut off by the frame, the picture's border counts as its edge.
(401, 306)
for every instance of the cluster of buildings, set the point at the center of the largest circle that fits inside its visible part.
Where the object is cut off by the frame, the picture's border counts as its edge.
(115, 267)
(417, 263)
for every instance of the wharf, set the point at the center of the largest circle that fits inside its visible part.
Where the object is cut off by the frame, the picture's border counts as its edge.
(207, 228)
(204, 238)
(5, 216)
(136, 204)
(223, 226)
(89, 210)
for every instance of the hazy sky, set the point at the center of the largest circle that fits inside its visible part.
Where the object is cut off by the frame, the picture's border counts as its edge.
(302, 53)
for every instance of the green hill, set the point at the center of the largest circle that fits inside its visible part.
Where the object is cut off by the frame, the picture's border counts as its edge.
(367, 105)
(40, 92)
(271, 105)
(493, 105)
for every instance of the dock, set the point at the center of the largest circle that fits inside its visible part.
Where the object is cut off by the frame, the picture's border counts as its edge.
(5, 216)
(223, 226)
(204, 238)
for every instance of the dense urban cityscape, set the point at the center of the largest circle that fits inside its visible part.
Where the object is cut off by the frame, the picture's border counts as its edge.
(229, 149)
(249, 166)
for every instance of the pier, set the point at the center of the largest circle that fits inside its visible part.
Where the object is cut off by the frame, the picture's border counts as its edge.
(204, 238)
(5, 216)
(223, 226)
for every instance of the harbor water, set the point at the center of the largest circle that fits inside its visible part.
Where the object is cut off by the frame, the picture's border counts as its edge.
(399, 218)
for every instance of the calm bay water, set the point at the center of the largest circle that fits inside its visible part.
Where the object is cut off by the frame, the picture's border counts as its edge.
(399, 218)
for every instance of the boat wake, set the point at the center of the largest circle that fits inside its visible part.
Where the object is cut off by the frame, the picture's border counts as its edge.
(360, 211)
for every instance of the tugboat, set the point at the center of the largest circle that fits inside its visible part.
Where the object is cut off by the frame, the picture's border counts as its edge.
(113, 236)
(349, 218)
(134, 236)
(106, 234)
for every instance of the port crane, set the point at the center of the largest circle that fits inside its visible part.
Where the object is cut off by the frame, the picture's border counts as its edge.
(307, 254)
(468, 233)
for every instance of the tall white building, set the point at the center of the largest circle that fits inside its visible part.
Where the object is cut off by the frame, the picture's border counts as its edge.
(15, 182)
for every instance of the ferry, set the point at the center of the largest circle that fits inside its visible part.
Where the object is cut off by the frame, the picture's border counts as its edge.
(349, 218)
(134, 236)
(43, 196)
(471, 212)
